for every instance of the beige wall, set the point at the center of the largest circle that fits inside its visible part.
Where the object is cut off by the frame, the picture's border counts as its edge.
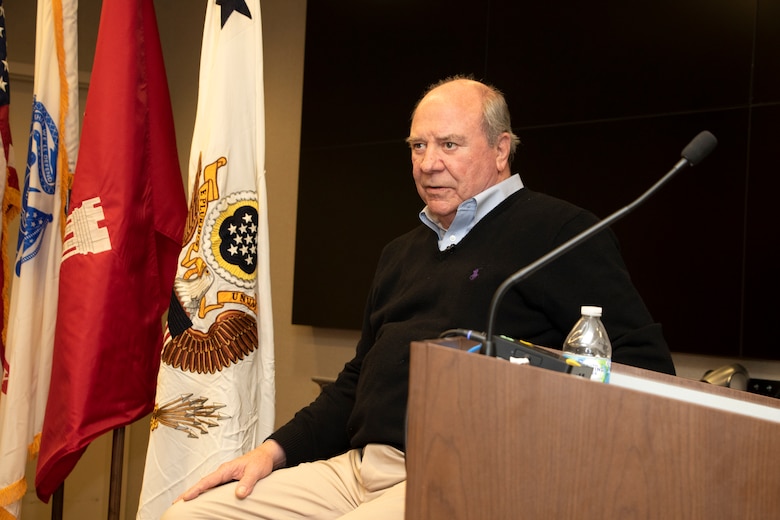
(301, 352)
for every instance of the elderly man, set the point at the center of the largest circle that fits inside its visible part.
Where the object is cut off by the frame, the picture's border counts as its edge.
(342, 456)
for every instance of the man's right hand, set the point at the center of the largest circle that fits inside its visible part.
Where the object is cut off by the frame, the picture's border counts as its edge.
(246, 469)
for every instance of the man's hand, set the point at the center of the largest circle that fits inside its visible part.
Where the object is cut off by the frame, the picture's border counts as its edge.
(247, 469)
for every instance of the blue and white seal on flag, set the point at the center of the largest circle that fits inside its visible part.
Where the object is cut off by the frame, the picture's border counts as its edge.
(40, 181)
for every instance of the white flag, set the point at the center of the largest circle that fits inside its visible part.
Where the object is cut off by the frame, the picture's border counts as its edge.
(215, 389)
(33, 309)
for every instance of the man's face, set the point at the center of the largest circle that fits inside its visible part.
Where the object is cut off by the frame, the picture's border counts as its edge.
(451, 158)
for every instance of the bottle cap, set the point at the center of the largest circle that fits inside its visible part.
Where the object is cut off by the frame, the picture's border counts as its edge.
(590, 310)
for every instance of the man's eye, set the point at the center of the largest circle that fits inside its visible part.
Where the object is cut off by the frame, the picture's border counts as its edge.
(416, 146)
(450, 145)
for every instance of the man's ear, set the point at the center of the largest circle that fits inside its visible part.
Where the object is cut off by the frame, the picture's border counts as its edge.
(503, 145)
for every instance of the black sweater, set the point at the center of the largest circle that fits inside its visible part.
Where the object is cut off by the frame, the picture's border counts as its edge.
(419, 292)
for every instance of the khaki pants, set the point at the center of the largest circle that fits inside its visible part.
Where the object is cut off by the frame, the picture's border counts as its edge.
(363, 484)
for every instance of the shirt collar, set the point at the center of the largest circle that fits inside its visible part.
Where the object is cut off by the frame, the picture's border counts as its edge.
(471, 211)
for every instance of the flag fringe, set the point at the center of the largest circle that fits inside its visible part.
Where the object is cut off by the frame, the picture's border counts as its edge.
(66, 176)
(5, 515)
(15, 492)
(34, 448)
(11, 494)
(12, 204)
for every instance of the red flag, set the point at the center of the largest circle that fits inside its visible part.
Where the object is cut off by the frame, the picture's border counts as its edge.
(122, 239)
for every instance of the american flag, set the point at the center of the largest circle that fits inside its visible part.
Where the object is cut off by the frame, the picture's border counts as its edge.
(9, 189)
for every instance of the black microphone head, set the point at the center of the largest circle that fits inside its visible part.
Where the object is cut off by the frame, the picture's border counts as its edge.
(701, 146)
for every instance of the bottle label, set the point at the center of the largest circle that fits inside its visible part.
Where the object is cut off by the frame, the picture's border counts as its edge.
(601, 366)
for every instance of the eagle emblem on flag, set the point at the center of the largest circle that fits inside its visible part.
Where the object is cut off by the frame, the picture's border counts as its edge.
(211, 321)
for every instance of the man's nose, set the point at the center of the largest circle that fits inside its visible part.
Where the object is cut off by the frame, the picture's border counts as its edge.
(430, 160)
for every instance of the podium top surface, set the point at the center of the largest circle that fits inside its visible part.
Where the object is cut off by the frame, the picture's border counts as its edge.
(698, 393)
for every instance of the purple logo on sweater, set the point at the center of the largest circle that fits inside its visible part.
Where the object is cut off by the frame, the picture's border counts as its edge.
(474, 274)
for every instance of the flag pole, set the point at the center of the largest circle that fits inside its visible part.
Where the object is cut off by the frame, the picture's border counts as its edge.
(115, 484)
(56, 505)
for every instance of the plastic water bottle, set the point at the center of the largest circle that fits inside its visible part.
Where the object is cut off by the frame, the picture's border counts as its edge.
(588, 343)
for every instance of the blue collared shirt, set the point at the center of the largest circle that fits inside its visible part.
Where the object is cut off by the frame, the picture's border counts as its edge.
(471, 211)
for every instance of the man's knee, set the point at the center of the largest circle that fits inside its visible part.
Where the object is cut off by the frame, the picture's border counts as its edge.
(182, 510)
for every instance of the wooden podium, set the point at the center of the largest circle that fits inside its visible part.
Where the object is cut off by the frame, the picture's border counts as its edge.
(492, 440)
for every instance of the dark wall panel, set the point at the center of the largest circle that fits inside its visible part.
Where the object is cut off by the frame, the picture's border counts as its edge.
(604, 96)
(685, 242)
(585, 61)
(351, 209)
(366, 63)
(762, 248)
(767, 57)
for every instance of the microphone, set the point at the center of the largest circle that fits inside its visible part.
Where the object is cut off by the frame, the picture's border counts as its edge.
(699, 148)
